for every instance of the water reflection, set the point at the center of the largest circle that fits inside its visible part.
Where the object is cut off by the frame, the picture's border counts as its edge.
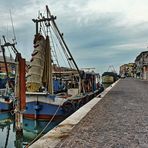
(10, 138)
(32, 128)
(6, 120)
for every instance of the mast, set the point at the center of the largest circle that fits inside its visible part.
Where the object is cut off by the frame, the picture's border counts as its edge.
(48, 50)
(47, 73)
(49, 21)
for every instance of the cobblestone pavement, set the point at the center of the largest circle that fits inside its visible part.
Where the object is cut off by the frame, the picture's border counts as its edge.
(119, 120)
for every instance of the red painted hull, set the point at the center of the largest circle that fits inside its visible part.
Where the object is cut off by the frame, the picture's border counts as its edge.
(44, 117)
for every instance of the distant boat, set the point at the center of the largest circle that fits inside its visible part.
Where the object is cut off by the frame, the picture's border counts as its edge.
(109, 77)
(54, 92)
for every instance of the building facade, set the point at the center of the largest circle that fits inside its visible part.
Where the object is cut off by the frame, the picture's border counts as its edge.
(141, 62)
(127, 70)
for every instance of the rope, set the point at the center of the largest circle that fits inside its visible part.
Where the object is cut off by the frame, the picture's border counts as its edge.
(43, 128)
(54, 51)
(60, 42)
(57, 47)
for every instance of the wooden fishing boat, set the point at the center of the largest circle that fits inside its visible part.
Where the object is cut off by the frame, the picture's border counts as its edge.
(54, 92)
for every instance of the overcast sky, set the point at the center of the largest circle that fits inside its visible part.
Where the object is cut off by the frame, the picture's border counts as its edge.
(99, 33)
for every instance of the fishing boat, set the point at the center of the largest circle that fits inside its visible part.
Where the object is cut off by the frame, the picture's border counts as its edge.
(53, 91)
(6, 82)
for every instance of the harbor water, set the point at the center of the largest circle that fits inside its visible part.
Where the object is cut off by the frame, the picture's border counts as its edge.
(32, 130)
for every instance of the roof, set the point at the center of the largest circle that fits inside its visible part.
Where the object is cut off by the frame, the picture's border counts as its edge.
(140, 55)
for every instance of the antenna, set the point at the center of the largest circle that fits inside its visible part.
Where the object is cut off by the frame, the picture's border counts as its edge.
(14, 39)
(0, 46)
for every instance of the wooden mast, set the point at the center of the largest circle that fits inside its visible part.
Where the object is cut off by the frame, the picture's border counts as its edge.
(49, 65)
(48, 48)
(51, 18)
(47, 74)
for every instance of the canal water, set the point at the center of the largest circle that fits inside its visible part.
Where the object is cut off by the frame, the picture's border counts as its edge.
(31, 130)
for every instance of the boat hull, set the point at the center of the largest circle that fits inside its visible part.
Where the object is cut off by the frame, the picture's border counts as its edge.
(5, 105)
(107, 79)
(43, 111)
(6, 102)
(45, 107)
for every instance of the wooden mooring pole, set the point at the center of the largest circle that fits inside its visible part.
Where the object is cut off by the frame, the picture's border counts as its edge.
(20, 90)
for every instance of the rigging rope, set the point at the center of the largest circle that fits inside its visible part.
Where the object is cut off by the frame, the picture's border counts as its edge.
(59, 49)
(60, 42)
(54, 29)
(54, 51)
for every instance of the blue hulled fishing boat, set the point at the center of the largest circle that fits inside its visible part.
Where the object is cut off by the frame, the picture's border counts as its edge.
(55, 91)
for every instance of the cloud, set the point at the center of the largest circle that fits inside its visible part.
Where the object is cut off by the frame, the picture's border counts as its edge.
(98, 33)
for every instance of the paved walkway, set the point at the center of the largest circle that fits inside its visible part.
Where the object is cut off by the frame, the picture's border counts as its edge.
(119, 120)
